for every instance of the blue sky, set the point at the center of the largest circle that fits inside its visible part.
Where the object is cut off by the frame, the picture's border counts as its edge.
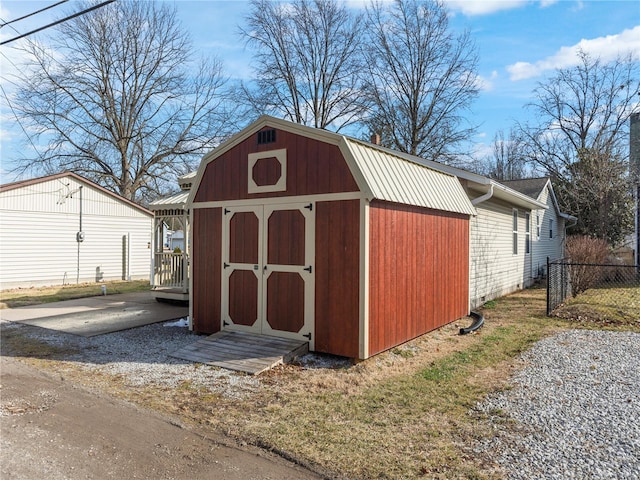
(520, 43)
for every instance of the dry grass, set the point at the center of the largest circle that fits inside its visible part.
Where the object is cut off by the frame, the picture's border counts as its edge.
(21, 297)
(605, 306)
(406, 413)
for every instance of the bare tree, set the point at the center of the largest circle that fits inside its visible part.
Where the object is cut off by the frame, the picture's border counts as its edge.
(306, 61)
(583, 107)
(421, 77)
(580, 137)
(508, 161)
(117, 98)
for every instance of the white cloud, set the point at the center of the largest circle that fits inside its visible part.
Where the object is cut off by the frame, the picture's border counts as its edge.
(606, 48)
(485, 84)
(472, 8)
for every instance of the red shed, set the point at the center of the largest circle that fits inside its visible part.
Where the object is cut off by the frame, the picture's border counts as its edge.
(307, 234)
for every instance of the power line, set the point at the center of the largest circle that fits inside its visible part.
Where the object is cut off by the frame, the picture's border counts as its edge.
(33, 13)
(100, 5)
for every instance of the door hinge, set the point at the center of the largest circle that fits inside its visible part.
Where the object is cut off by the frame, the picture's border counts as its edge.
(225, 323)
(308, 335)
(225, 265)
(309, 207)
(226, 210)
(308, 269)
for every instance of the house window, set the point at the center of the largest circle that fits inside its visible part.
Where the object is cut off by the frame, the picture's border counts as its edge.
(550, 229)
(537, 226)
(527, 233)
(515, 231)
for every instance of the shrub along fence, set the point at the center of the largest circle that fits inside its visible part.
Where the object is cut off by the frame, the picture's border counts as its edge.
(565, 279)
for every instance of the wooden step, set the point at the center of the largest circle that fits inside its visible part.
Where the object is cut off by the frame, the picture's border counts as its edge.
(243, 352)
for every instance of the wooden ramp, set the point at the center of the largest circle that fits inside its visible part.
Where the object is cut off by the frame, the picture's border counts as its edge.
(242, 352)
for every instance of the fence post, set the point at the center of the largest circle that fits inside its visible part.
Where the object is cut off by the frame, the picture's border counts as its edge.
(563, 286)
(548, 287)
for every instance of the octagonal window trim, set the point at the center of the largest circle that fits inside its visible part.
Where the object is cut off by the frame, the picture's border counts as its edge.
(281, 185)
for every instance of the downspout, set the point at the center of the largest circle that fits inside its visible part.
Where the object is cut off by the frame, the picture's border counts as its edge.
(484, 197)
(474, 202)
(478, 321)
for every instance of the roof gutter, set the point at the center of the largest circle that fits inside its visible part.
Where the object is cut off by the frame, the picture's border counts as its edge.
(484, 197)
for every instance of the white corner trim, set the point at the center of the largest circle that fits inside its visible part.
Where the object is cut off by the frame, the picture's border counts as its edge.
(363, 346)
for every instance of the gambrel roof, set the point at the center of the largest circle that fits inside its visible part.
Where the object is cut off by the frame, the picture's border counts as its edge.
(380, 173)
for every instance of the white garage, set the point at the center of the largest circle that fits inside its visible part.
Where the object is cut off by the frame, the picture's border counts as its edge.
(64, 229)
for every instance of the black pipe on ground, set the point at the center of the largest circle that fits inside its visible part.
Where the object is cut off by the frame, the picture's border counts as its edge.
(478, 321)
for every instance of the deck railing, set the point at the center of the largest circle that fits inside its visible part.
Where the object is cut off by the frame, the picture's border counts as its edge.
(171, 270)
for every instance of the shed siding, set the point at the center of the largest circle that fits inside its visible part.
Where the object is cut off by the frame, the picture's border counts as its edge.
(337, 277)
(419, 270)
(312, 168)
(495, 270)
(544, 246)
(38, 227)
(206, 268)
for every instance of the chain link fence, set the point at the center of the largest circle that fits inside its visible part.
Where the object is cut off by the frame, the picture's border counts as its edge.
(566, 279)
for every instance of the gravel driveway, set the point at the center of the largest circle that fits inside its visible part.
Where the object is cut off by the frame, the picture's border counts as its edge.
(141, 356)
(574, 410)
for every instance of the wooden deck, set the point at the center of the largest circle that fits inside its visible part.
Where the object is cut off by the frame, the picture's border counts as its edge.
(243, 352)
(168, 293)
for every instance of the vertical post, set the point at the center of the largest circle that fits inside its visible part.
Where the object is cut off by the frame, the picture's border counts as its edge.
(548, 288)
(79, 238)
(185, 251)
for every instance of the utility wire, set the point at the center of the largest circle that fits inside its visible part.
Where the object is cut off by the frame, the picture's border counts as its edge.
(33, 13)
(100, 5)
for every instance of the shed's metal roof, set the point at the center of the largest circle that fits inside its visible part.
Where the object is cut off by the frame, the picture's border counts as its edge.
(395, 179)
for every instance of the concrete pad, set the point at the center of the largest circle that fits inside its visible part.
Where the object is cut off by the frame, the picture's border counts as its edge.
(93, 316)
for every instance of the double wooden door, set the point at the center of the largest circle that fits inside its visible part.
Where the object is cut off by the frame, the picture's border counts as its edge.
(268, 279)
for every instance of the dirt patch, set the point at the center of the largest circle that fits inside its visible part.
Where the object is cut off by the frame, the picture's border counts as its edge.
(53, 429)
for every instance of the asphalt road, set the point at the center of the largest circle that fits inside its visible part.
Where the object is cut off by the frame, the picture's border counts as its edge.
(53, 429)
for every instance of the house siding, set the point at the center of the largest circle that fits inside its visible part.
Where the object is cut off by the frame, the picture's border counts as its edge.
(38, 226)
(544, 246)
(494, 269)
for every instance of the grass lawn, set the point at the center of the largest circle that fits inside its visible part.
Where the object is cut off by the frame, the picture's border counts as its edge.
(406, 413)
(21, 297)
(607, 306)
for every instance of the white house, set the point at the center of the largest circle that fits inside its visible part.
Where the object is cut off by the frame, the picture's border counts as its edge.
(548, 226)
(63, 229)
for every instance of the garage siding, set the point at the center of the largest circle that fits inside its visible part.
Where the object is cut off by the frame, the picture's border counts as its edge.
(38, 226)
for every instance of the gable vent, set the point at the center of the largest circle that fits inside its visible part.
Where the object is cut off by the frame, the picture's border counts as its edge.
(266, 136)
